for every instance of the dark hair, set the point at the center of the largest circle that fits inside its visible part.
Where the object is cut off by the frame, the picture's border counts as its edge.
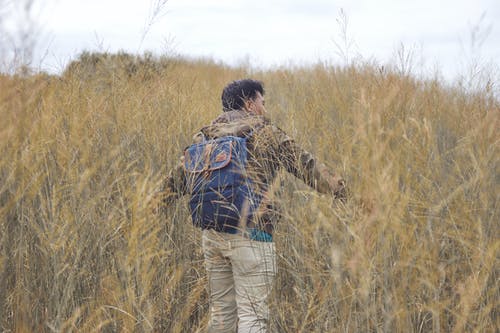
(236, 92)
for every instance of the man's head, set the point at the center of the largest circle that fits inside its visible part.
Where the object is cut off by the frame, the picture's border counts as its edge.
(247, 95)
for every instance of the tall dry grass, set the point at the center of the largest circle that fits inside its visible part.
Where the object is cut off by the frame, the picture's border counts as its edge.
(415, 249)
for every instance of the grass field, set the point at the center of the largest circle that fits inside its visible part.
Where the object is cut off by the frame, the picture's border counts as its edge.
(415, 248)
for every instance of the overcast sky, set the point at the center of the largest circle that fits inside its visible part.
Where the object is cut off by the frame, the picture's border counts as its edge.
(266, 33)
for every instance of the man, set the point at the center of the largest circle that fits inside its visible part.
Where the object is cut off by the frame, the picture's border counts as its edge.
(241, 262)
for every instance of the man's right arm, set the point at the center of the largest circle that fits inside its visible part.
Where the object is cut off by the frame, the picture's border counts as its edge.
(176, 181)
(173, 187)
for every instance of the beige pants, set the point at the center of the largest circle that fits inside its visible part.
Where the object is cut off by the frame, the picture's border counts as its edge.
(240, 274)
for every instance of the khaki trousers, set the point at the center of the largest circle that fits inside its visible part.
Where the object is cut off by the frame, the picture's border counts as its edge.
(241, 274)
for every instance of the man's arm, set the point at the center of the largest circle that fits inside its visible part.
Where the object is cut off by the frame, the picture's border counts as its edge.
(175, 184)
(173, 187)
(305, 166)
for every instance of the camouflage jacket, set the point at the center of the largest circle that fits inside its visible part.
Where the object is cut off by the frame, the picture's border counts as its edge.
(269, 150)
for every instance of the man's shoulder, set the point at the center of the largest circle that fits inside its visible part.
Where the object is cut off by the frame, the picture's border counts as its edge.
(232, 124)
(240, 124)
(271, 134)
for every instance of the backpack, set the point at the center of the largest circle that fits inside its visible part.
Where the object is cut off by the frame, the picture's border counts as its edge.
(221, 193)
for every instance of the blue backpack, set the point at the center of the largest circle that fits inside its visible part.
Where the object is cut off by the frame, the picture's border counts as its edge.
(221, 193)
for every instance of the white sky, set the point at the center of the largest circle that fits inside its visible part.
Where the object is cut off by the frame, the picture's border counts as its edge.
(264, 32)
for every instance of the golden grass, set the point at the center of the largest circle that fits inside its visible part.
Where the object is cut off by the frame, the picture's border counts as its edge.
(415, 249)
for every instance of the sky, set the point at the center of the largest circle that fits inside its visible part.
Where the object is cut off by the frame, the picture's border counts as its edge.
(448, 36)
